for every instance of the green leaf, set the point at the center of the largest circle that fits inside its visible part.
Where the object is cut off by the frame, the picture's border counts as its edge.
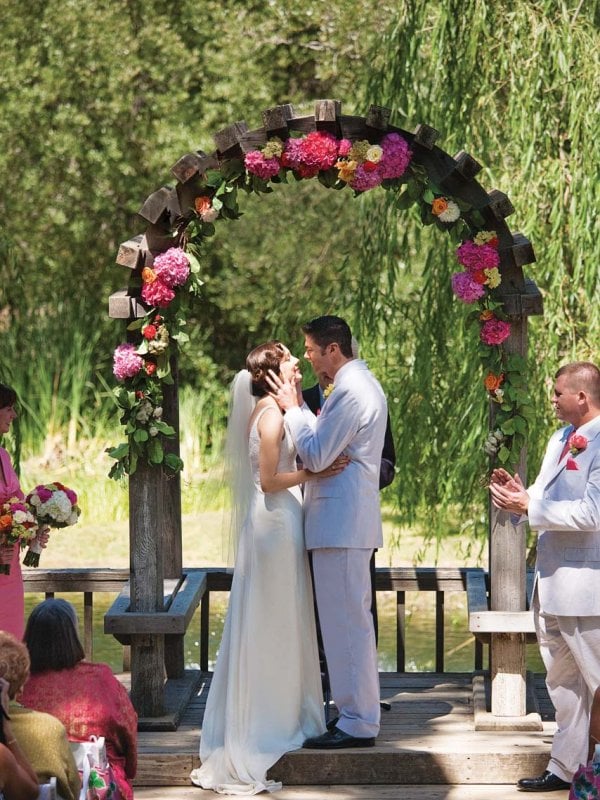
(118, 452)
(155, 451)
(140, 435)
(173, 462)
(503, 454)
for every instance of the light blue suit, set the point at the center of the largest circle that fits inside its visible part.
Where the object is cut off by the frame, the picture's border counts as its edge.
(342, 526)
(564, 507)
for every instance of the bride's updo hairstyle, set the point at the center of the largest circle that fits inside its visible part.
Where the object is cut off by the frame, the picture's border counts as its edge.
(265, 357)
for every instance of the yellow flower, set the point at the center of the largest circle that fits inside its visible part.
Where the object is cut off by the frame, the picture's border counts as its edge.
(328, 390)
(346, 170)
(483, 237)
(374, 153)
(273, 148)
(358, 151)
(493, 277)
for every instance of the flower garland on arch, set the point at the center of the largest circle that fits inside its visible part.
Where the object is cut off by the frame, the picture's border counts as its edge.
(142, 367)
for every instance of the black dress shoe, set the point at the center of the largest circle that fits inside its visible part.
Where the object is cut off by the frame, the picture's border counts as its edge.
(546, 782)
(337, 740)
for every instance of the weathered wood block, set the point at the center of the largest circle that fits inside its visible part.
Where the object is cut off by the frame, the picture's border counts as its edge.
(275, 120)
(123, 305)
(193, 164)
(527, 303)
(425, 135)
(326, 115)
(302, 124)
(500, 205)
(227, 140)
(466, 166)
(253, 140)
(131, 253)
(520, 252)
(159, 205)
(378, 117)
(355, 128)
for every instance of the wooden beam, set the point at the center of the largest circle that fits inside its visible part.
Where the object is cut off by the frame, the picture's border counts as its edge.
(518, 253)
(326, 115)
(131, 253)
(354, 128)
(227, 140)
(378, 117)
(160, 205)
(425, 135)
(523, 304)
(499, 204)
(193, 164)
(253, 140)
(275, 120)
(302, 124)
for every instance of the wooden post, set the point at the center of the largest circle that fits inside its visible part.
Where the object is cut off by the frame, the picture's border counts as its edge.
(507, 588)
(146, 511)
(171, 527)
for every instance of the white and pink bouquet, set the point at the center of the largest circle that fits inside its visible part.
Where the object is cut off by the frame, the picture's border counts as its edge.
(54, 505)
(17, 525)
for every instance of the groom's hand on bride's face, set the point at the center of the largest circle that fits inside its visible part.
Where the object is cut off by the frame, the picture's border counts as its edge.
(283, 392)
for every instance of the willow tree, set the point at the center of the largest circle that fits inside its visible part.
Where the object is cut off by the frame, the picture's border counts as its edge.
(519, 89)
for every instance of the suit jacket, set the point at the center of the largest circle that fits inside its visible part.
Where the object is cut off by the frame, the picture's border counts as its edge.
(565, 507)
(312, 398)
(343, 511)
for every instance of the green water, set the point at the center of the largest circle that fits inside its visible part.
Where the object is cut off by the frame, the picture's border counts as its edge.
(420, 632)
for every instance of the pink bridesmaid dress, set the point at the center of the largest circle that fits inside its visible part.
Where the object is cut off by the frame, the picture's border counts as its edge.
(12, 597)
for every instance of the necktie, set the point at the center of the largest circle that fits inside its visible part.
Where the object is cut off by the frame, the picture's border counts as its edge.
(565, 449)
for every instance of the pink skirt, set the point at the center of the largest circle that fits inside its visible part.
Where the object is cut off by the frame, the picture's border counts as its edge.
(12, 598)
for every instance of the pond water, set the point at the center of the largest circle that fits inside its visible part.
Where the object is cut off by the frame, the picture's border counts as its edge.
(420, 632)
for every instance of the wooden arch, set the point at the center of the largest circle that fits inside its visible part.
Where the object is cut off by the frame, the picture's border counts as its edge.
(154, 610)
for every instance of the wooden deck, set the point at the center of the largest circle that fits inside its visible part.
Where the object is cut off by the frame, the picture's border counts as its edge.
(427, 748)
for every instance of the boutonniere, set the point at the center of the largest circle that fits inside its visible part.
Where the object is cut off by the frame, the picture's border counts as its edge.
(329, 389)
(577, 443)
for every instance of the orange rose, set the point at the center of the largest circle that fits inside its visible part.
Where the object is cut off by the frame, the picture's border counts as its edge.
(202, 204)
(439, 205)
(148, 275)
(5, 522)
(485, 315)
(493, 382)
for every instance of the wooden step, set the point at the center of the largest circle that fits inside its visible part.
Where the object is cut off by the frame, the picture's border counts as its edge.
(427, 738)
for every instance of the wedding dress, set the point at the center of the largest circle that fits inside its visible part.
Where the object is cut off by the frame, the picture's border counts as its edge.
(265, 698)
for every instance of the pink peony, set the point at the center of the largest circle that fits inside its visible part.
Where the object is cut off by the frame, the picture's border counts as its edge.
(465, 288)
(264, 168)
(157, 293)
(365, 179)
(476, 257)
(172, 267)
(319, 150)
(126, 362)
(494, 331)
(396, 156)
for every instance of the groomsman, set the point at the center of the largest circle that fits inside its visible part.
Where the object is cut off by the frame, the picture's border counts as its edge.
(342, 521)
(563, 505)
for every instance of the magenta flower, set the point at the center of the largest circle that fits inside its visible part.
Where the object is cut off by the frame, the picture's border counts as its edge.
(465, 288)
(172, 267)
(157, 293)
(319, 150)
(476, 257)
(43, 493)
(126, 362)
(292, 154)
(264, 168)
(344, 147)
(365, 179)
(494, 331)
(396, 156)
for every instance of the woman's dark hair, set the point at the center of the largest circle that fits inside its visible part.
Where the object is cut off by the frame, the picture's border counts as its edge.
(51, 636)
(8, 396)
(265, 357)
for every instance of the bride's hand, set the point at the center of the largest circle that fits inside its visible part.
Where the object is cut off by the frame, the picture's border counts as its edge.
(339, 465)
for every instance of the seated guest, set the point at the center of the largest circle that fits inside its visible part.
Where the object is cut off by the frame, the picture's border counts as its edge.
(41, 737)
(18, 780)
(87, 698)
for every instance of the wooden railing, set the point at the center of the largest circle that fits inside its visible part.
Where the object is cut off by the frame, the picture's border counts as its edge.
(440, 580)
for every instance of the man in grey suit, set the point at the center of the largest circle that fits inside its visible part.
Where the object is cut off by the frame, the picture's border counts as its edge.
(342, 521)
(564, 506)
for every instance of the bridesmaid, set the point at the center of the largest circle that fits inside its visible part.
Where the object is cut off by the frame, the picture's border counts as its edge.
(12, 599)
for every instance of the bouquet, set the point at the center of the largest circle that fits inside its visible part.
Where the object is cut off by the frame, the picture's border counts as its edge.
(17, 525)
(54, 505)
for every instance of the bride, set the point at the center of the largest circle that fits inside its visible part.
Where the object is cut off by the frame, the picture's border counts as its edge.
(265, 697)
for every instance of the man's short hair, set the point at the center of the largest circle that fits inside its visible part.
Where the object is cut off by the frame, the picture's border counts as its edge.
(583, 376)
(329, 330)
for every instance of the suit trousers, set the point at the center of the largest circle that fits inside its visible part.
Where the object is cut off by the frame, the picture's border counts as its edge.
(570, 650)
(343, 591)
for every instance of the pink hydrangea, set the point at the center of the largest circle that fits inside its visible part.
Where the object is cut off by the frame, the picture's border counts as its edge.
(344, 147)
(476, 257)
(465, 288)
(319, 150)
(292, 154)
(264, 168)
(172, 267)
(157, 293)
(126, 362)
(396, 156)
(366, 179)
(494, 331)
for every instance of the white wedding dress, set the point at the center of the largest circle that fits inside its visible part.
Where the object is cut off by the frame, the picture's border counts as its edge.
(265, 698)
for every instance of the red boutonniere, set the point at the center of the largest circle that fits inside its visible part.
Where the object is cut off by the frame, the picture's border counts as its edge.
(571, 464)
(577, 443)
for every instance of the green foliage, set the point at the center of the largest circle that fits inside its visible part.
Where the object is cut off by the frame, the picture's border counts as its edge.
(517, 88)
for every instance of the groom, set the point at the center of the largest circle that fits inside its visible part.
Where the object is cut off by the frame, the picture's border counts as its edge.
(342, 521)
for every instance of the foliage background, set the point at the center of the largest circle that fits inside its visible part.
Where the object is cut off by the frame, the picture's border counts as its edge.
(99, 99)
